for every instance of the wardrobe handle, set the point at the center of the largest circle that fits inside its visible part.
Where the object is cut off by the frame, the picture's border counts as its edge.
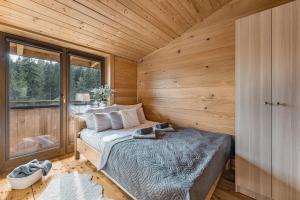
(268, 103)
(280, 104)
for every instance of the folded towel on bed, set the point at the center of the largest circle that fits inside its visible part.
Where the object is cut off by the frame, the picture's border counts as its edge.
(169, 129)
(162, 125)
(144, 131)
(147, 136)
(30, 168)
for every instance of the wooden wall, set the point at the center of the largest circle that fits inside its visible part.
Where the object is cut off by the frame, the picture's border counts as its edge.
(27, 124)
(125, 81)
(190, 82)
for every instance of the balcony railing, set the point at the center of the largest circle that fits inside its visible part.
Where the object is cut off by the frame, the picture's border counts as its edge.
(35, 125)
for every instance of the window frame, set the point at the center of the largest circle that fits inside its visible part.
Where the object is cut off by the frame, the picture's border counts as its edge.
(65, 53)
(84, 55)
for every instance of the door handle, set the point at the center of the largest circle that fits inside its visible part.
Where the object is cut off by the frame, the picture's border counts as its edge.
(63, 98)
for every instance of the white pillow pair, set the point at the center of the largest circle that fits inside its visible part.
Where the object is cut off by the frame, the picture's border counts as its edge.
(89, 114)
(130, 117)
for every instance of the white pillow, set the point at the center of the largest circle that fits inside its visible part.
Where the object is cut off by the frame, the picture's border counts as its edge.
(141, 115)
(101, 121)
(130, 118)
(116, 120)
(126, 107)
(89, 120)
(89, 114)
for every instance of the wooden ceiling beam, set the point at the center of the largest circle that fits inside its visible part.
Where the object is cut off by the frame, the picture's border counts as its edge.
(84, 62)
(20, 50)
(94, 64)
(32, 52)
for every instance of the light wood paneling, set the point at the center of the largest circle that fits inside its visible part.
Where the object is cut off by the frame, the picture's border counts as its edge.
(125, 81)
(286, 91)
(27, 124)
(190, 82)
(126, 28)
(253, 105)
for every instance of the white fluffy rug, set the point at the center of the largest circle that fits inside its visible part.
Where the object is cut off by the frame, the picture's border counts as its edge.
(72, 186)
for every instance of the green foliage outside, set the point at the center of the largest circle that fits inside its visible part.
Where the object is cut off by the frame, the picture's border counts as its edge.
(84, 79)
(33, 79)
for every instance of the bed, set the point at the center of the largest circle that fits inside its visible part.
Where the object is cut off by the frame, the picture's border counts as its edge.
(185, 164)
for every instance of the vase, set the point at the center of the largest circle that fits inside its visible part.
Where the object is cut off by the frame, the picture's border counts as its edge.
(103, 103)
(96, 104)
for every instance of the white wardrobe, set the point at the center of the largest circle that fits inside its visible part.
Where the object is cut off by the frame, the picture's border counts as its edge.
(268, 103)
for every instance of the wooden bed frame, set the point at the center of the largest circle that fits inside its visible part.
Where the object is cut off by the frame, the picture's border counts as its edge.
(94, 156)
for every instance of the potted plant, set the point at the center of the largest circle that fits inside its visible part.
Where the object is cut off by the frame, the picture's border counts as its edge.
(101, 94)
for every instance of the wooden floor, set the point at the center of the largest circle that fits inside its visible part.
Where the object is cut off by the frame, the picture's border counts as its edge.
(67, 164)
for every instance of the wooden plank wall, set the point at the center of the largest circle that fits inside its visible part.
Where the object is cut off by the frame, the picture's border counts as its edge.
(25, 124)
(190, 82)
(125, 81)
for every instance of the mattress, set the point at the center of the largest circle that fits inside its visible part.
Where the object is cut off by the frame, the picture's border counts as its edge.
(181, 165)
(98, 140)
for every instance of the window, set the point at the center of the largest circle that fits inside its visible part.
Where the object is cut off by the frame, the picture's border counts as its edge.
(34, 99)
(37, 80)
(86, 74)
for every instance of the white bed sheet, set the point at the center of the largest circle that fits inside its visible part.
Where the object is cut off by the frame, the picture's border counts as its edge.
(98, 140)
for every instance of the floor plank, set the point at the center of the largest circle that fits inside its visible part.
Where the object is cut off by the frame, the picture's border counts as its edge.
(67, 164)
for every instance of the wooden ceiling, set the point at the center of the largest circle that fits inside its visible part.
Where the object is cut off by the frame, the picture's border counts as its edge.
(127, 28)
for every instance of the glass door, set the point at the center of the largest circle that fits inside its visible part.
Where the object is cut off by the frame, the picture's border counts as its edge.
(85, 74)
(34, 100)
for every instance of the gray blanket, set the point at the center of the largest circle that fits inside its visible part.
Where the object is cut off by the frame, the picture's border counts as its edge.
(181, 165)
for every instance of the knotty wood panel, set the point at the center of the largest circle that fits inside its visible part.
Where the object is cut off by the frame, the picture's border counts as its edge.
(190, 82)
(126, 28)
(286, 91)
(125, 81)
(25, 124)
(253, 115)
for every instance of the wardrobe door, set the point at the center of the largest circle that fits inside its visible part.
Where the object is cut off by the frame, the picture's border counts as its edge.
(286, 96)
(253, 105)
